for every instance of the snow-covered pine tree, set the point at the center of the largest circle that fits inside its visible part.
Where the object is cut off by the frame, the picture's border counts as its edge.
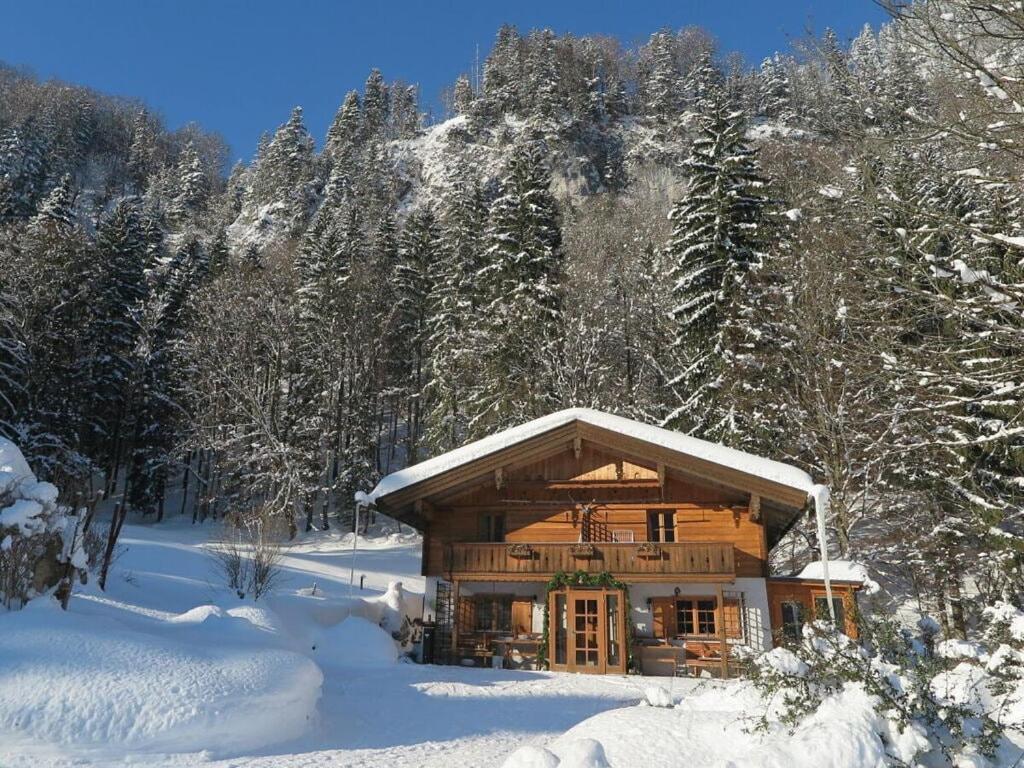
(157, 414)
(117, 288)
(463, 96)
(376, 104)
(521, 278)
(23, 170)
(413, 278)
(143, 158)
(775, 100)
(542, 78)
(192, 187)
(451, 321)
(346, 130)
(663, 87)
(717, 238)
(284, 173)
(503, 74)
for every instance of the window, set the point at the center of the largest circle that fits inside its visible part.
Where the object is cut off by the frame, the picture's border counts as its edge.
(492, 528)
(661, 525)
(792, 621)
(493, 613)
(696, 617)
(821, 611)
(623, 536)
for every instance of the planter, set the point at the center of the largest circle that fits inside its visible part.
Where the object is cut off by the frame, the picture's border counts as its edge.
(582, 550)
(648, 549)
(524, 551)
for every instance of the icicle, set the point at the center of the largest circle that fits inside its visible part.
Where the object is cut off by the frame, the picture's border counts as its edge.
(820, 494)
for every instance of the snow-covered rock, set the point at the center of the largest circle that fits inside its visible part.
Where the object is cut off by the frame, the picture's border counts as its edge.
(656, 696)
(530, 756)
(356, 642)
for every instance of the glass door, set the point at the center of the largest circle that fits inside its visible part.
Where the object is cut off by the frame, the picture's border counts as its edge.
(587, 631)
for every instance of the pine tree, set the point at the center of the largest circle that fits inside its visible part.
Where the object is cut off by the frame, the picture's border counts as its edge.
(193, 187)
(376, 104)
(346, 129)
(663, 85)
(284, 171)
(454, 307)
(542, 76)
(463, 95)
(521, 278)
(142, 154)
(157, 414)
(23, 170)
(717, 239)
(776, 102)
(116, 293)
(413, 284)
(503, 74)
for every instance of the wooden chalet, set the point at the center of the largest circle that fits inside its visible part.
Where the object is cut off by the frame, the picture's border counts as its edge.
(628, 541)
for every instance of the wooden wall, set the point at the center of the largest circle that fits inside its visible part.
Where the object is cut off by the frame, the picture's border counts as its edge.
(537, 510)
(804, 592)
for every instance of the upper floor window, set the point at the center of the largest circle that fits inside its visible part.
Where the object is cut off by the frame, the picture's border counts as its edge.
(661, 525)
(492, 527)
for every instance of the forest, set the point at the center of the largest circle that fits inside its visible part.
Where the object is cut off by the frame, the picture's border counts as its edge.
(817, 258)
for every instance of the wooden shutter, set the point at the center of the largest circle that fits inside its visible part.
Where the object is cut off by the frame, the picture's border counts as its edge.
(663, 612)
(522, 615)
(733, 620)
(467, 615)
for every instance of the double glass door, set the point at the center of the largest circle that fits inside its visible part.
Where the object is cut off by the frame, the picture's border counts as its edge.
(586, 630)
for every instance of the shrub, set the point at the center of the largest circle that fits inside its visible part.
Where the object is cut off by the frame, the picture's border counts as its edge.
(248, 556)
(944, 693)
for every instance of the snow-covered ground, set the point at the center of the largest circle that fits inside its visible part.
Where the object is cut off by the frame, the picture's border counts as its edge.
(167, 668)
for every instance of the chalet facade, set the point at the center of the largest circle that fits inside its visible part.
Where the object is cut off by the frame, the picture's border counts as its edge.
(586, 541)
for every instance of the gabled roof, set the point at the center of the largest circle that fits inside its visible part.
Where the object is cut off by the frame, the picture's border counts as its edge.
(742, 468)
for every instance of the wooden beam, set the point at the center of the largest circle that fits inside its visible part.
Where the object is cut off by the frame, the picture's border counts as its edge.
(577, 447)
(755, 508)
(661, 474)
(499, 478)
(455, 619)
(723, 639)
(424, 509)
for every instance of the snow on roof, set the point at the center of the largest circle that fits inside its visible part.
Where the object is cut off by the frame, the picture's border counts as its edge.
(840, 570)
(766, 469)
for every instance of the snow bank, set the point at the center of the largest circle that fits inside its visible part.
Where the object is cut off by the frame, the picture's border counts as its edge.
(105, 684)
(766, 469)
(711, 730)
(656, 696)
(531, 757)
(356, 642)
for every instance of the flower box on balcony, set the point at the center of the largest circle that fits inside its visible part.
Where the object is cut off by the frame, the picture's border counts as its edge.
(524, 551)
(648, 549)
(582, 550)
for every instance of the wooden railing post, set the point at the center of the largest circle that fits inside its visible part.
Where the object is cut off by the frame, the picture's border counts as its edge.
(722, 638)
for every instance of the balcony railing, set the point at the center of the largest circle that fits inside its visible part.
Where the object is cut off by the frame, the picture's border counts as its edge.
(642, 560)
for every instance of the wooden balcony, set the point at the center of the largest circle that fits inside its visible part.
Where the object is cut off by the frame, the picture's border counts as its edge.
(636, 562)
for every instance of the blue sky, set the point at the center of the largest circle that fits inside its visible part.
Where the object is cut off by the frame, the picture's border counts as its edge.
(239, 66)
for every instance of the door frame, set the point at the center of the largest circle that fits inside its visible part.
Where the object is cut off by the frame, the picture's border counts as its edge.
(601, 594)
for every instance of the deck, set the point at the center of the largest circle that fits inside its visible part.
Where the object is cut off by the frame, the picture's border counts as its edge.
(642, 561)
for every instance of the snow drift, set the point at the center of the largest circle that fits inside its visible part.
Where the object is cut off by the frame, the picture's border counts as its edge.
(105, 684)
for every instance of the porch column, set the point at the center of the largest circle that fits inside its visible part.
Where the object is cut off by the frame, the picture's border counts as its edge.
(456, 610)
(721, 630)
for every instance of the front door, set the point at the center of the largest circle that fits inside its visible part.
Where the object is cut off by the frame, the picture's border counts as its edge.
(586, 630)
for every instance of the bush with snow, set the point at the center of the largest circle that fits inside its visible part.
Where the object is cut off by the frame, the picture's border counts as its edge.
(930, 702)
(36, 537)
